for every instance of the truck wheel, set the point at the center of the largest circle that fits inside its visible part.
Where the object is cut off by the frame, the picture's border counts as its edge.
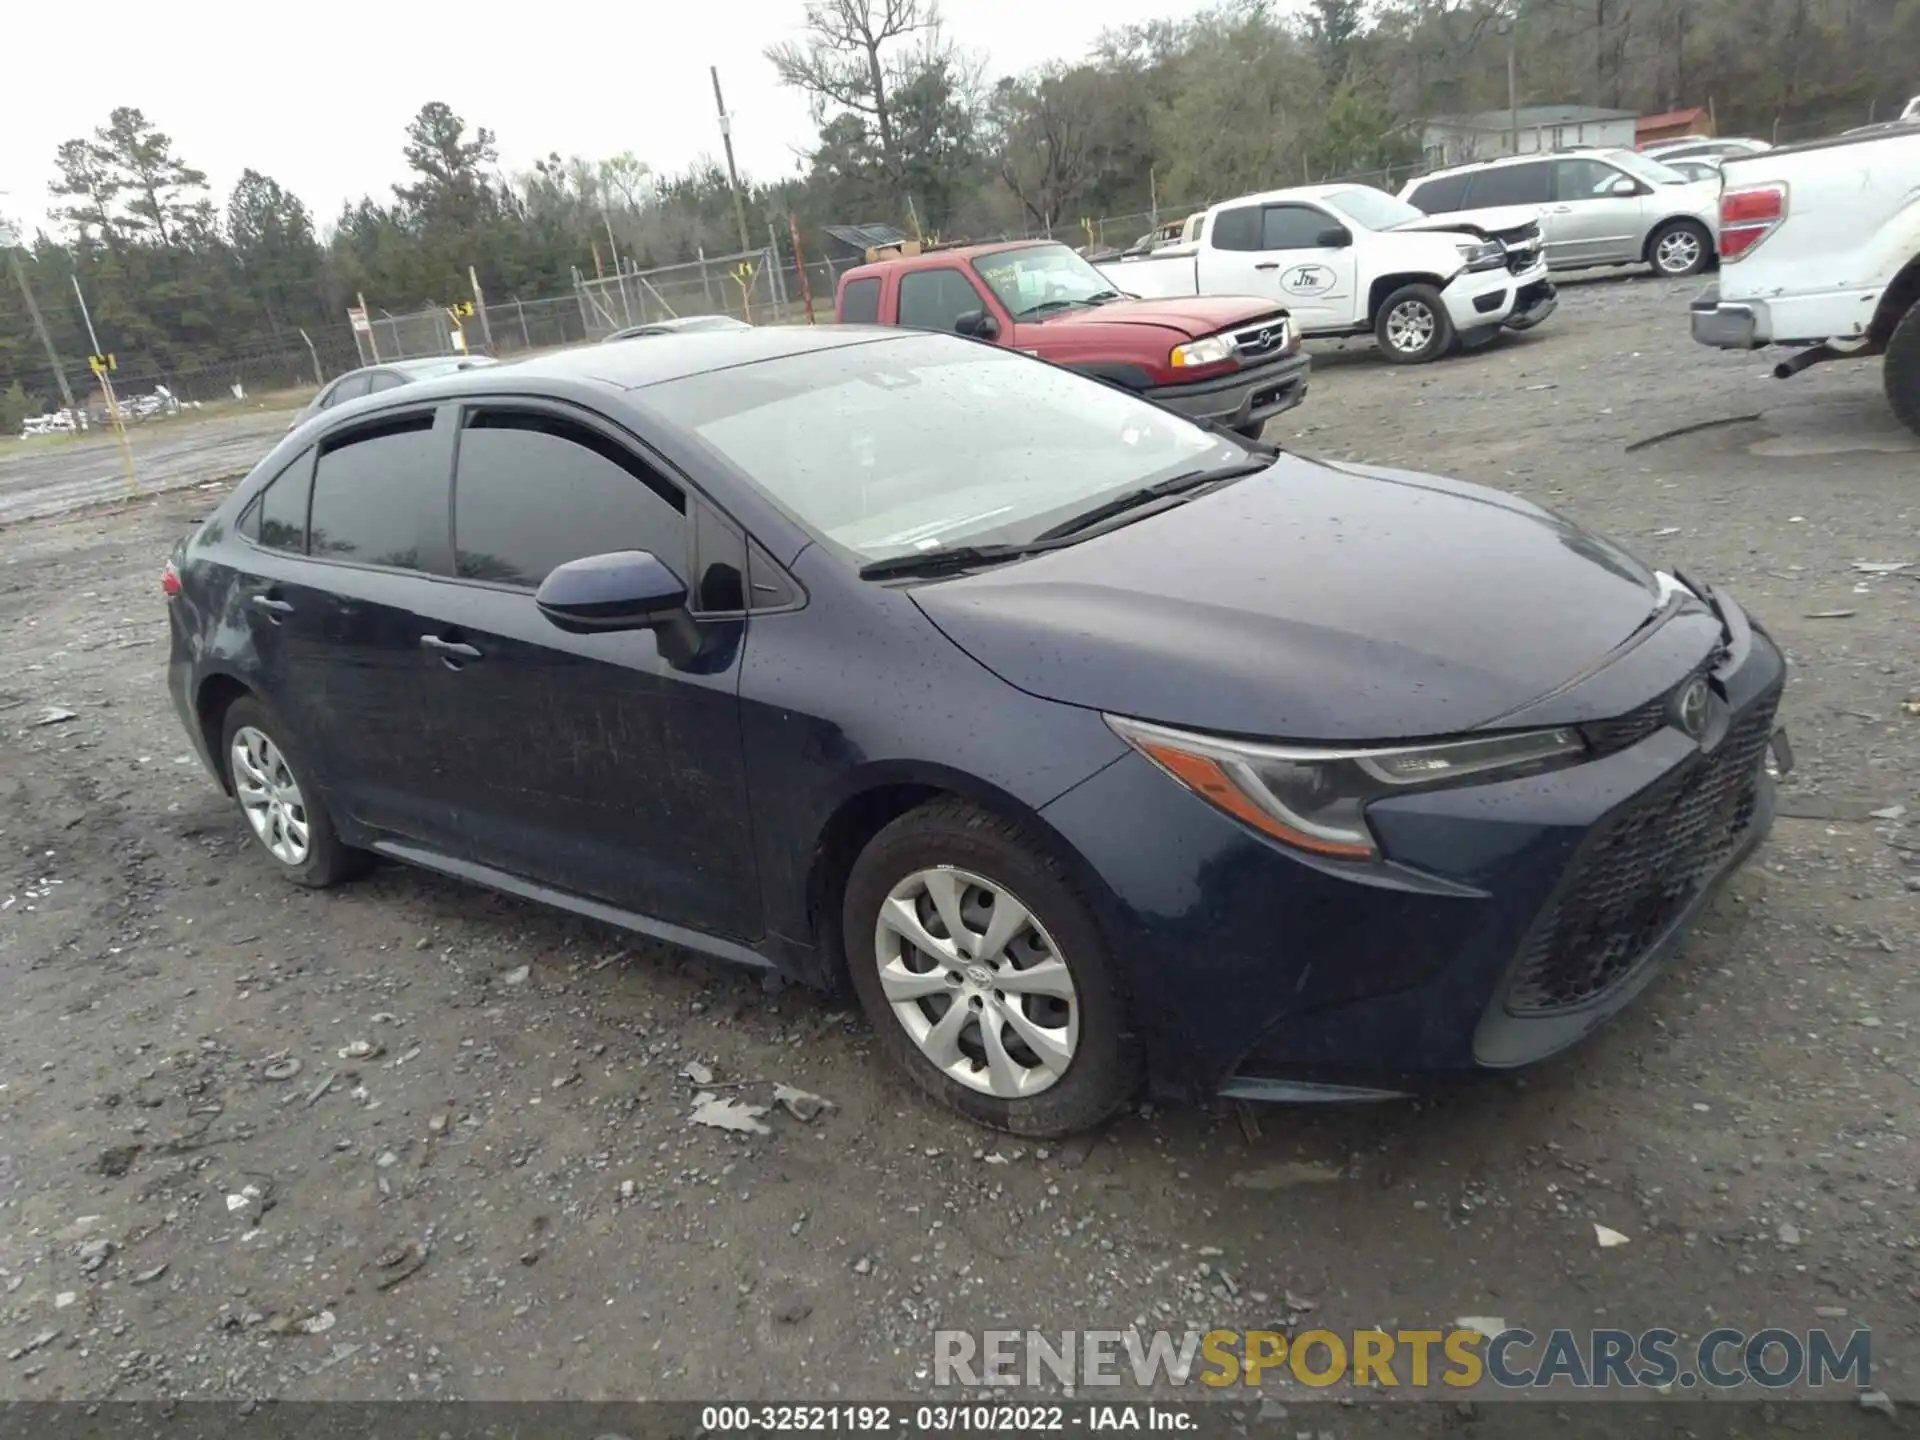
(1413, 326)
(1902, 369)
(1681, 247)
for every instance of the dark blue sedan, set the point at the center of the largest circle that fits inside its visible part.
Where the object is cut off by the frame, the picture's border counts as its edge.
(1088, 745)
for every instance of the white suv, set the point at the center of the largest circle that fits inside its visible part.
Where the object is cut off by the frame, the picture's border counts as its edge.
(1595, 207)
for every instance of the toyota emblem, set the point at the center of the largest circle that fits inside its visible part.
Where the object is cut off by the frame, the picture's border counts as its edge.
(1691, 710)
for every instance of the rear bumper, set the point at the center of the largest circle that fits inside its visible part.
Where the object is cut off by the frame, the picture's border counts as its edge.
(1729, 325)
(1243, 398)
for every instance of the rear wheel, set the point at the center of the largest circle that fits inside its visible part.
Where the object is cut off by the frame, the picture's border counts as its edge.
(1901, 369)
(1413, 326)
(984, 974)
(277, 797)
(1680, 248)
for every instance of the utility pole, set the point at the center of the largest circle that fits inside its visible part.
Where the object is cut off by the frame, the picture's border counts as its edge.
(1510, 24)
(9, 241)
(733, 175)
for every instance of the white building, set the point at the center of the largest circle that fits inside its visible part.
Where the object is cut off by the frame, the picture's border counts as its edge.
(1457, 139)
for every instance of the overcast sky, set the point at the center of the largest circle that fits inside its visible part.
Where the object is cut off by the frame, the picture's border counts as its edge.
(318, 96)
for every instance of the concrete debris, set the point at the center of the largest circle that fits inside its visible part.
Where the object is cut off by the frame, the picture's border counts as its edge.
(1608, 1238)
(316, 1324)
(729, 1114)
(800, 1104)
(519, 975)
(696, 1072)
(147, 1277)
(1787, 1233)
(53, 715)
(1287, 1174)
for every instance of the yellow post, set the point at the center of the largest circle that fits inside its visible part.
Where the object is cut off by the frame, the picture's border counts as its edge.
(743, 277)
(101, 365)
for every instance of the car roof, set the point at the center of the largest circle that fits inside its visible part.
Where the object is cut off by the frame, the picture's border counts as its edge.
(946, 254)
(1501, 161)
(665, 357)
(1302, 192)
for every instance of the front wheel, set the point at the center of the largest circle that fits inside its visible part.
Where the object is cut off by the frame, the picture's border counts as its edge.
(1680, 249)
(1901, 369)
(279, 800)
(1413, 326)
(985, 975)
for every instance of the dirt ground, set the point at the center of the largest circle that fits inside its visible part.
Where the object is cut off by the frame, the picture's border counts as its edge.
(505, 1199)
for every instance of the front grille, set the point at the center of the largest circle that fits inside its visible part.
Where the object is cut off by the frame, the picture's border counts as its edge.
(1637, 877)
(1607, 737)
(1521, 259)
(1256, 342)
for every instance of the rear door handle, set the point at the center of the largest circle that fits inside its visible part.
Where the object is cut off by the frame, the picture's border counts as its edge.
(448, 649)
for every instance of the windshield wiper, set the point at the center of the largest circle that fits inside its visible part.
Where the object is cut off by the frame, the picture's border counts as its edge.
(1146, 494)
(1101, 297)
(1045, 306)
(939, 562)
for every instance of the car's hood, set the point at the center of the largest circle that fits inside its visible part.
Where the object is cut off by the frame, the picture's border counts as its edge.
(1310, 602)
(1190, 315)
(1506, 223)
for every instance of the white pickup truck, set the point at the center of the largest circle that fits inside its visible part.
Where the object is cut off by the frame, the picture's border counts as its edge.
(1820, 250)
(1352, 260)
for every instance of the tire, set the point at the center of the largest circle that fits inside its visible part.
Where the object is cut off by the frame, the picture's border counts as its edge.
(1680, 248)
(1413, 311)
(1096, 1065)
(323, 860)
(1901, 369)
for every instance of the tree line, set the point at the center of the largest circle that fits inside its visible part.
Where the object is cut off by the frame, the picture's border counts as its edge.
(910, 131)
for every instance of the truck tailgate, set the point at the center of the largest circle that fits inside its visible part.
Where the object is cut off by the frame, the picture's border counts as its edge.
(1164, 276)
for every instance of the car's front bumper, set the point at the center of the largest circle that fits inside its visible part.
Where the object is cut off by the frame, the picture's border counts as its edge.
(1243, 398)
(1509, 920)
(1477, 299)
(1729, 325)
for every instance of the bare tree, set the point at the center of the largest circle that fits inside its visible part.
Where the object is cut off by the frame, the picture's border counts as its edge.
(841, 65)
(1046, 133)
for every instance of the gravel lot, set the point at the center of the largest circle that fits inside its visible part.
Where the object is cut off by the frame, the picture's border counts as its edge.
(505, 1198)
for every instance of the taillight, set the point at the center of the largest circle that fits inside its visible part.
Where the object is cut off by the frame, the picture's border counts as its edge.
(1748, 216)
(170, 580)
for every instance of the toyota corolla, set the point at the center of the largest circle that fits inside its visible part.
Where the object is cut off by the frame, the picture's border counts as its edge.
(1089, 746)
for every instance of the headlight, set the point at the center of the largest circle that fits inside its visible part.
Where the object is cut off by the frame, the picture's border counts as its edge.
(1487, 255)
(1210, 351)
(1315, 799)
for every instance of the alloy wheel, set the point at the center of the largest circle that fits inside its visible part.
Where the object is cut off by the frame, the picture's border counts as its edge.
(977, 982)
(1677, 253)
(1410, 326)
(270, 795)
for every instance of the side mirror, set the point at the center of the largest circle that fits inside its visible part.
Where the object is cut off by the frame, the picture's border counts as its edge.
(1623, 187)
(624, 590)
(978, 324)
(1334, 237)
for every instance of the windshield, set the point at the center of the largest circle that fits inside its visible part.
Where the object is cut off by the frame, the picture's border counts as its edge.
(1039, 278)
(1375, 209)
(925, 442)
(1641, 168)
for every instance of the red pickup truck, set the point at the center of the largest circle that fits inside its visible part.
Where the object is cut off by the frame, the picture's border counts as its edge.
(1233, 360)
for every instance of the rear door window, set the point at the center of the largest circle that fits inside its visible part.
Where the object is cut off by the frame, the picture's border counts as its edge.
(348, 387)
(1237, 229)
(533, 491)
(860, 302)
(370, 493)
(282, 508)
(1527, 184)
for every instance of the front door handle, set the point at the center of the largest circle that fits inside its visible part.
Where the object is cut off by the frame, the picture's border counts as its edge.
(448, 650)
(1267, 265)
